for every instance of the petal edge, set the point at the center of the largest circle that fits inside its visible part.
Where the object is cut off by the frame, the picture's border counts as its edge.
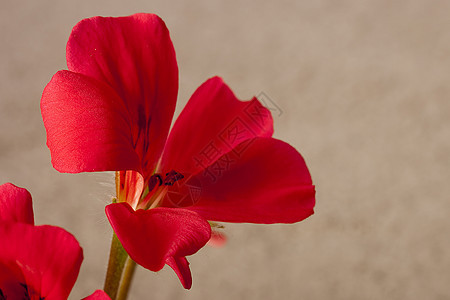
(15, 204)
(87, 126)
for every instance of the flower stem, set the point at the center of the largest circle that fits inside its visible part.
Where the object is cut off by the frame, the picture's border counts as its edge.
(117, 258)
(127, 277)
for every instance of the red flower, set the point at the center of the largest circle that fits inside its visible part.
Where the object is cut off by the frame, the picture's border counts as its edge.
(112, 111)
(98, 295)
(36, 262)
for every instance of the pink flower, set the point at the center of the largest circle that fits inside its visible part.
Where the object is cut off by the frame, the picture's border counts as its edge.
(36, 262)
(112, 110)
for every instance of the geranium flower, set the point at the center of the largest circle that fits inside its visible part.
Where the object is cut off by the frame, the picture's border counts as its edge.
(112, 110)
(36, 262)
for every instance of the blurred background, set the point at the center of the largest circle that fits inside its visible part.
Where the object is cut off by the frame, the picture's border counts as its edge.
(362, 90)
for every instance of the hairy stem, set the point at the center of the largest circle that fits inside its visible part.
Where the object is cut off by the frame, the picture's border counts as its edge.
(117, 259)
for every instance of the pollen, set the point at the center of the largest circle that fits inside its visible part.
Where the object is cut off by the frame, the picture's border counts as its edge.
(170, 179)
(157, 188)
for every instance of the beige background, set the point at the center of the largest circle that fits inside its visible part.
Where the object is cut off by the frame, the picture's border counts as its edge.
(364, 92)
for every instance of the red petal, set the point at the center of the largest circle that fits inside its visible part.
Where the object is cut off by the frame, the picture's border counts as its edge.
(49, 257)
(15, 204)
(213, 122)
(152, 236)
(267, 183)
(98, 295)
(87, 126)
(11, 278)
(135, 56)
(181, 267)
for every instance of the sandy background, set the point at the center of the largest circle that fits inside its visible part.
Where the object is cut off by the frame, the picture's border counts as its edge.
(363, 88)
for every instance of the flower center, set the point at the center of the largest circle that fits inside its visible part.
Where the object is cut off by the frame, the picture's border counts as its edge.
(157, 188)
(171, 177)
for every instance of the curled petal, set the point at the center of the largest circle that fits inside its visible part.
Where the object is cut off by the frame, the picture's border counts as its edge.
(181, 267)
(152, 236)
(213, 122)
(48, 258)
(133, 55)
(15, 204)
(87, 125)
(267, 183)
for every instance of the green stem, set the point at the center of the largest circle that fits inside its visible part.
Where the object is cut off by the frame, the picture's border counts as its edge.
(126, 279)
(117, 258)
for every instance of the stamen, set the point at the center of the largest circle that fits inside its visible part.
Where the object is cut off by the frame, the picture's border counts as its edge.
(172, 177)
(154, 179)
(159, 197)
(152, 200)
